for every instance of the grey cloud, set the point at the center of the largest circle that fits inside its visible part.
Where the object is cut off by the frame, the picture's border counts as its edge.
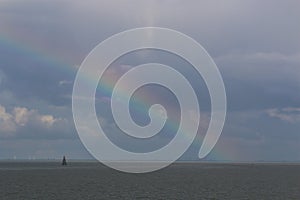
(219, 26)
(255, 44)
(261, 80)
(223, 28)
(30, 77)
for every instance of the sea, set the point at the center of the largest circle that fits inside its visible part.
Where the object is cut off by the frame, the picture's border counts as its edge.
(184, 180)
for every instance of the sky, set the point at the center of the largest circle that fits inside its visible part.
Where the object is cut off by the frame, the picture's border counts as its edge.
(255, 44)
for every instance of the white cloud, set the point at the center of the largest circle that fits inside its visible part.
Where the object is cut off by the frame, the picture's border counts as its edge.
(23, 121)
(260, 56)
(22, 115)
(64, 82)
(48, 120)
(7, 124)
(288, 114)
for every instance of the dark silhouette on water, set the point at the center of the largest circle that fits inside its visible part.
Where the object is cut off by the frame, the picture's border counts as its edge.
(64, 161)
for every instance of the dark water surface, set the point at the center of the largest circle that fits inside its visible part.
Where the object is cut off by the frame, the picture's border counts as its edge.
(42, 180)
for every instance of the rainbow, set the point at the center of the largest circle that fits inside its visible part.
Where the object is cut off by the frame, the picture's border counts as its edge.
(220, 152)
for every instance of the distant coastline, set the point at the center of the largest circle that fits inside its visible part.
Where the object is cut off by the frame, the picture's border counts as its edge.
(126, 161)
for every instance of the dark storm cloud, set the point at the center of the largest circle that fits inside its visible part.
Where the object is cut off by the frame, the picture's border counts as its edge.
(29, 76)
(261, 80)
(230, 31)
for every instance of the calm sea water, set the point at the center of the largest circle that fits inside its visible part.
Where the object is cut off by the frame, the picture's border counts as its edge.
(178, 181)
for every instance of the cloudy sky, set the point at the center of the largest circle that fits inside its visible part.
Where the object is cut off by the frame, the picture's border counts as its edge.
(255, 44)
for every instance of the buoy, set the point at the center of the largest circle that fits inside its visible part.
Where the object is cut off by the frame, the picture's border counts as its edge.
(64, 162)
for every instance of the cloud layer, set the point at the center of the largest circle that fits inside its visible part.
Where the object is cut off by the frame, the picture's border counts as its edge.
(255, 44)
